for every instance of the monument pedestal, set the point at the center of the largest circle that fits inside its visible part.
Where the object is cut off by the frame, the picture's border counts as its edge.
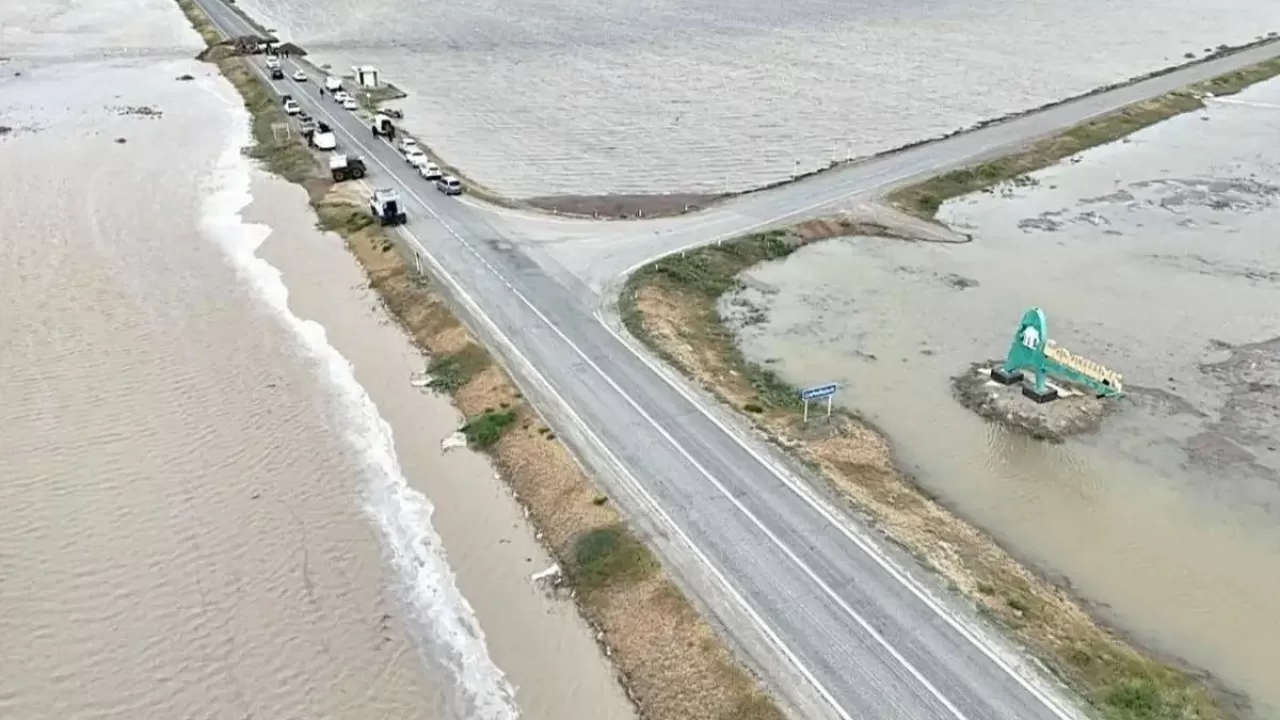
(1049, 394)
(1005, 377)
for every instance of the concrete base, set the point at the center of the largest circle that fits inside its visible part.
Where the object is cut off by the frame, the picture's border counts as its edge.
(1049, 394)
(1002, 376)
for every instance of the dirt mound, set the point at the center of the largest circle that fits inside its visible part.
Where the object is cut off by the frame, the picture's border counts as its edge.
(1071, 414)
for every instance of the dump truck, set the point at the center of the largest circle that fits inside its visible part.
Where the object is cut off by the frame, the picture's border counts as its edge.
(382, 126)
(386, 207)
(346, 167)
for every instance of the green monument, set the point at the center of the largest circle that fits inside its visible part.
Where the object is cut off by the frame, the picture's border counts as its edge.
(1033, 352)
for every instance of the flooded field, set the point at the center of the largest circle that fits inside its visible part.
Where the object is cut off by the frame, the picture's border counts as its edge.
(1155, 256)
(539, 98)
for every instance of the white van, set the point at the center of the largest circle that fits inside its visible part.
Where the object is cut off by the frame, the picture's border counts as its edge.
(333, 83)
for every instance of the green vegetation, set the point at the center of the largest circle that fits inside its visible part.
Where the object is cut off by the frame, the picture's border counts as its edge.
(609, 555)
(925, 198)
(706, 274)
(485, 429)
(449, 373)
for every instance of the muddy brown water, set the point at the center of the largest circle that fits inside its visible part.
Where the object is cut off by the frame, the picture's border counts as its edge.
(1157, 258)
(220, 496)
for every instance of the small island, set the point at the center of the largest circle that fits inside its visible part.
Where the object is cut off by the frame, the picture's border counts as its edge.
(1040, 388)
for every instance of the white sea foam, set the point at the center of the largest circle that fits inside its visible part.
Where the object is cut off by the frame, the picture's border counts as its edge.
(443, 621)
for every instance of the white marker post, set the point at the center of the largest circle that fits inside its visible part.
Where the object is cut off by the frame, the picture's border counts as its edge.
(819, 392)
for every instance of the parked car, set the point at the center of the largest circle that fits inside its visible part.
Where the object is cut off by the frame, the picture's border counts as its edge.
(415, 157)
(449, 185)
(299, 76)
(430, 171)
(291, 107)
(351, 104)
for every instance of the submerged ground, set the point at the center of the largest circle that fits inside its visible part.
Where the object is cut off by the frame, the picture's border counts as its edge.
(1154, 256)
(534, 98)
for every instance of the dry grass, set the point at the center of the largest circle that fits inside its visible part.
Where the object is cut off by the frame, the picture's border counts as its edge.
(671, 306)
(924, 199)
(670, 660)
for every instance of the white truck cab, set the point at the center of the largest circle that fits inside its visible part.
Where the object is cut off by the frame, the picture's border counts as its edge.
(333, 83)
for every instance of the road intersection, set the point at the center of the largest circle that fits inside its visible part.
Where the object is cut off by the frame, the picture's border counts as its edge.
(839, 626)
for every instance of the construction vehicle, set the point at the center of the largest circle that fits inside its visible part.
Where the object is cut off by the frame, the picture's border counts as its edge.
(381, 126)
(386, 207)
(346, 167)
(323, 137)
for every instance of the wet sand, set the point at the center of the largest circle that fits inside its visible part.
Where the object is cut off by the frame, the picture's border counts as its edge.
(1151, 256)
(203, 513)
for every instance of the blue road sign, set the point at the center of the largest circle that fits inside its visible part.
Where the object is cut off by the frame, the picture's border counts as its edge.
(819, 392)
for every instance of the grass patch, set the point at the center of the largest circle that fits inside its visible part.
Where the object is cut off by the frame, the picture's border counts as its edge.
(449, 373)
(485, 430)
(671, 306)
(608, 556)
(344, 219)
(924, 199)
(704, 275)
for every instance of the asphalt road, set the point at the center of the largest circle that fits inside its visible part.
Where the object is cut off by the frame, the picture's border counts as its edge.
(838, 627)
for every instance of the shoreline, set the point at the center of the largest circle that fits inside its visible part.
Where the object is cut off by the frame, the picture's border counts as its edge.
(675, 203)
(671, 306)
(449, 494)
(670, 661)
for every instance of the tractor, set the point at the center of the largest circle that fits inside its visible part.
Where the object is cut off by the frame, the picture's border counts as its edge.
(346, 167)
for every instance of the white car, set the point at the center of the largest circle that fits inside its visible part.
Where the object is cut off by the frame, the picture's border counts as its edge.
(291, 107)
(350, 103)
(415, 157)
(407, 143)
(430, 171)
(449, 185)
(299, 76)
(340, 95)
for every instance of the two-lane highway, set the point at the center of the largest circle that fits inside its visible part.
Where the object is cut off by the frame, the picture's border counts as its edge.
(867, 641)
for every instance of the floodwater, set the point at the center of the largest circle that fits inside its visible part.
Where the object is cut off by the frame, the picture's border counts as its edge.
(1155, 257)
(534, 97)
(219, 494)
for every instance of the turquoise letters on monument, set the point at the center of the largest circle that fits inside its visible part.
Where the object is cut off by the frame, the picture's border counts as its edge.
(1026, 353)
